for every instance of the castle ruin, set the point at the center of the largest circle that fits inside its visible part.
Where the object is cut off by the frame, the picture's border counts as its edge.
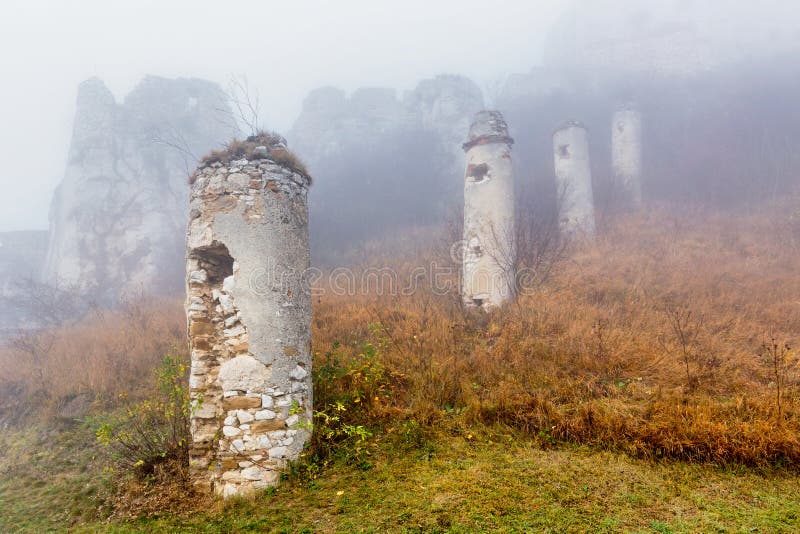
(626, 153)
(489, 226)
(249, 316)
(574, 180)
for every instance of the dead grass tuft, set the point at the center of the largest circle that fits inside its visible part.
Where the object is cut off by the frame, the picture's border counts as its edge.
(68, 371)
(671, 336)
(244, 149)
(167, 490)
(650, 341)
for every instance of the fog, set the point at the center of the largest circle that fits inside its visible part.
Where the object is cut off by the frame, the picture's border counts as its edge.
(249, 243)
(285, 49)
(739, 49)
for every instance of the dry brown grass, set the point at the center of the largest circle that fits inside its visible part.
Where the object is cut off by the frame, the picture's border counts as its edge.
(167, 490)
(650, 341)
(107, 354)
(593, 357)
(237, 149)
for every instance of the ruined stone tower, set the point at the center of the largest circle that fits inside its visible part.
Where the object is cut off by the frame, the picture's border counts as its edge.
(489, 247)
(249, 316)
(574, 179)
(626, 152)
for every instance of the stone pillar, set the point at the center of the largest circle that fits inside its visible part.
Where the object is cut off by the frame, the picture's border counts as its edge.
(574, 179)
(249, 317)
(489, 228)
(626, 153)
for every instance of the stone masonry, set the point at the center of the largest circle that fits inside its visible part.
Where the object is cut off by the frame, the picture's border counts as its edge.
(626, 152)
(574, 180)
(489, 227)
(249, 317)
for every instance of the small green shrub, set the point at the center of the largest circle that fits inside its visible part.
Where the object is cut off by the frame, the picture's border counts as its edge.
(350, 390)
(412, 435)
(154, 431)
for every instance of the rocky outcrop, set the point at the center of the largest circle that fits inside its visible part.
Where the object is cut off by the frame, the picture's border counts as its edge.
(329, 120)
(21, 257)
(393, 161)
(710, 81)
(117, 218)
(446, 105)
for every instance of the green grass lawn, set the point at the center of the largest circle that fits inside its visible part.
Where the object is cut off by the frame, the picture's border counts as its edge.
(492, 483)
(49, 479)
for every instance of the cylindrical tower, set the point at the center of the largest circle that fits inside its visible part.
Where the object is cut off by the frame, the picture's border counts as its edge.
(574, 179)
(626, 152)
(249, 316)
(489, 229)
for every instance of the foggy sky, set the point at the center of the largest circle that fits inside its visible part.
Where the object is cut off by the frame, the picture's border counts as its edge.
(287, 48)
(284, 48)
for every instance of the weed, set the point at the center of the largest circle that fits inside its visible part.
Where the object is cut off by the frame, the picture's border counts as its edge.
(238, 149)
(154, 431)
(780, 360)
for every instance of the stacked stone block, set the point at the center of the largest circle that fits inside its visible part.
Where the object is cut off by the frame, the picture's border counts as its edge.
(249, 320)
(489, 244)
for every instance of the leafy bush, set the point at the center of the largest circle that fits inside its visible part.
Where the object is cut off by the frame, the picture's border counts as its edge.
(155, 431)
(350, 389)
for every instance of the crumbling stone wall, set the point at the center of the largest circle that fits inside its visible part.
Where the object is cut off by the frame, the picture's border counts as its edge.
(249, 320)
(574, 180)
(626, 152)
(489, 225)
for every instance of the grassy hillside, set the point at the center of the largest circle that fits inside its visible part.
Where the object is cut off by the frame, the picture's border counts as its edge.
(493, 480)
(49, 478)
(646, 382)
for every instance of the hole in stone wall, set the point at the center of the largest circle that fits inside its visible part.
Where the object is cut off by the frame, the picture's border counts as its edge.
(215, 260)
(477, 302)
(563, 151)
(478, 173)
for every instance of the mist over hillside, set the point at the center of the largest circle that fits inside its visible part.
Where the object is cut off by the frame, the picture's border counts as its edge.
(712, 86)
(447, 266)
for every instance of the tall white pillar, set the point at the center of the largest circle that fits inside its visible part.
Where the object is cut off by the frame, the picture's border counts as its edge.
(249, 318)
(574, 179)
(626, 152)
(489, 224)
